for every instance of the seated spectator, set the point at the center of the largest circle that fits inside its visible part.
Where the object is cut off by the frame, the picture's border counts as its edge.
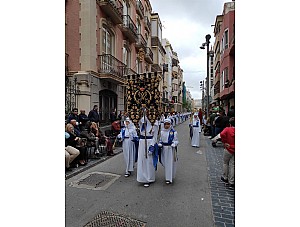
(75, 126)
(74, 141)
(70, 153)
(116, 127)
(102, 139)
(91, 136)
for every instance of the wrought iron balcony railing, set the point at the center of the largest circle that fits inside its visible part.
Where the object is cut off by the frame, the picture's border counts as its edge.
(129, 28)
(140, 8)
(147, 23)
(141, 42)
(149, 55)
(111, 66)
(113, 8)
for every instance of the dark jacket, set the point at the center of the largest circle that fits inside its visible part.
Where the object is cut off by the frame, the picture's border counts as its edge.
(83, 118)
(73, 116)
(71, 140)
(93, 116)
(230, 113)
(91, 139)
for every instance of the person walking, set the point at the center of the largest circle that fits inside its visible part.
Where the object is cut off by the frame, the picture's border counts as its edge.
(212, 124)
(196, 129)
(127, 136)
(168, 142)
(148, 138)
(228, 138)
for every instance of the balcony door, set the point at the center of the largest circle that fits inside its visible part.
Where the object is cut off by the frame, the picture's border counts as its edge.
(108, 102)
(107, 49)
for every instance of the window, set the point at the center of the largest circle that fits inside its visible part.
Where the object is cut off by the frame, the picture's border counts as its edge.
(107, 41)
(226, 39)
(126, 56)
(224, 78)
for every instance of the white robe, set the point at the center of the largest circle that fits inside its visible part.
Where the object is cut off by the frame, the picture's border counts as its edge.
(129, 147)
(196, 130)
(145, 167)
(168, 155)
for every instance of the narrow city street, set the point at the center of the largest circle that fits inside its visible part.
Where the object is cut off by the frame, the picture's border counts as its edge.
(196, 197)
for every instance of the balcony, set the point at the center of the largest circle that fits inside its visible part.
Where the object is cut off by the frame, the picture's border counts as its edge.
(174, 93)
(129, 71)
(165, 84)
(149, 55)
(156, 68)
(140, 8)
(174, 81)
(114, 9)
(175, 69)
(156, 42)
(111, 69)
(141, 42)
(129, 29)
(165, 100)
(147, 23)
(217, 76)
(217, 91)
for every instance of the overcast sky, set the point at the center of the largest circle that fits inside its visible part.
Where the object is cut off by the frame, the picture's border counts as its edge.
(185, 25)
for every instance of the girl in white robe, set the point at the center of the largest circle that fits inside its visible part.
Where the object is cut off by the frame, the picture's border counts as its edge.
(145, 167)
(127, 134)
(196, 130)
(168, 141)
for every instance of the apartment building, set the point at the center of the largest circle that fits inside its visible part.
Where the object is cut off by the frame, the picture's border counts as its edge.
(227, 58)
(105, 41)
(216, 62)
(167, 76)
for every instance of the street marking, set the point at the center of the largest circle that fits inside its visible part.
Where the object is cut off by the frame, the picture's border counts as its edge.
(199, 152)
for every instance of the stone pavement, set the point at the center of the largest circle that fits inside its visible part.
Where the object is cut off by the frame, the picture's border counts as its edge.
(222, 197)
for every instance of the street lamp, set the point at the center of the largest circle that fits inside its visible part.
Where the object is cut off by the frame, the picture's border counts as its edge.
(207, 37)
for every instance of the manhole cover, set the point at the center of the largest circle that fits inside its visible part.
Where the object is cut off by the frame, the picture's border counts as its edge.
(95, 181)
(114, 220)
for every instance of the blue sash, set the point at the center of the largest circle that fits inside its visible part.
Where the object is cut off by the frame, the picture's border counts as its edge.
(123, 133)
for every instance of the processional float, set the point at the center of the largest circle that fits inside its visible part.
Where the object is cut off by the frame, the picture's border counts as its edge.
(143, 98)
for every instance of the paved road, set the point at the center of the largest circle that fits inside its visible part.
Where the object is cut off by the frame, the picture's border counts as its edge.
(189, 201)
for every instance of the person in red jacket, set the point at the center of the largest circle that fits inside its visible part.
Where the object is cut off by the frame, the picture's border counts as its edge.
(228, 139)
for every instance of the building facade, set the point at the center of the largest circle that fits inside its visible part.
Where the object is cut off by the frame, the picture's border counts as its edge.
(105, 41)
(227, 58)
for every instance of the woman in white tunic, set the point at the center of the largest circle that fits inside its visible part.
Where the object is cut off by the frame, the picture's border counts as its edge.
(168, 141)
(127, 134)
(145, 167)
(196, 130)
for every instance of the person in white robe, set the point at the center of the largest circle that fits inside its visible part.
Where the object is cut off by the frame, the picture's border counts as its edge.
(148, 138)
(162, 119)
(127, 135)
(168, 142)
(195, 123)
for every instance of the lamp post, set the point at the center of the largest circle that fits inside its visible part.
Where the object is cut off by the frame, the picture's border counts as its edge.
(207, 37)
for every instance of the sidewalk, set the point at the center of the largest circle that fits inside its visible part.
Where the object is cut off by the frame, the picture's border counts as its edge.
(222, 197)
(91, 163)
